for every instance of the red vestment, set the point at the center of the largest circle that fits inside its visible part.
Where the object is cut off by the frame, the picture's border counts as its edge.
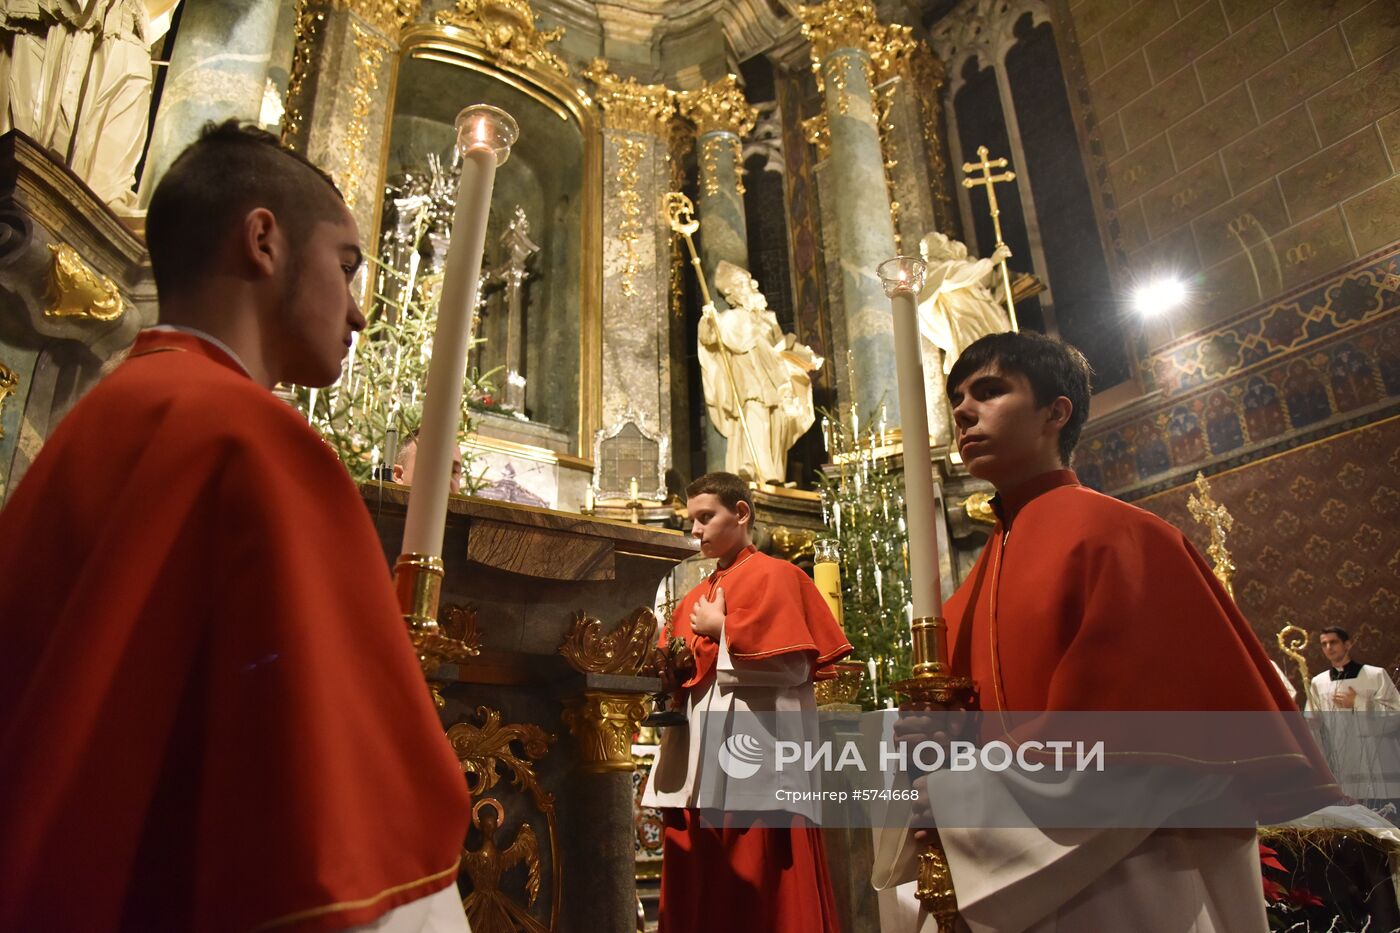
(766, 874)
(211, 717)
(771, 608)
(1081, 602)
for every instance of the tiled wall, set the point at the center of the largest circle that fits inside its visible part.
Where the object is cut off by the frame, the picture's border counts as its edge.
(1252, 144)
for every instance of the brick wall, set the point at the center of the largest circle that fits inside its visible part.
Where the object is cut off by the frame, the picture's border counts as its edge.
(1251, 144)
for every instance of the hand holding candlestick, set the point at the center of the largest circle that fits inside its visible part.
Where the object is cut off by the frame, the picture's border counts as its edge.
(933, 686)
(484, 137)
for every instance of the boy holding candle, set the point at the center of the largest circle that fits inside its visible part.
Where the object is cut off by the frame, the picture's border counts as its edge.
(211, 717)
(1080, 602)
(760, 633)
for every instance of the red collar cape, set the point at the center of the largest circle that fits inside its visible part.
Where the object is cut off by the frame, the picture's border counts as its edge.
(771, 608)
(1083, 603)
(211, 717)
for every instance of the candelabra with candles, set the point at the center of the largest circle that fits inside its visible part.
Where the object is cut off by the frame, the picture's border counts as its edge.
(933, 686)
(484, 137)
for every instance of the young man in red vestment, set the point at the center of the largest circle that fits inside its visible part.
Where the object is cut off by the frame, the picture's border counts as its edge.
(211, 717)
(1081, 602)
(760, 633)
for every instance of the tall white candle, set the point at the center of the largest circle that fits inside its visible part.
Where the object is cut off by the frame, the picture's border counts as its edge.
(484, 137)
(902, 278)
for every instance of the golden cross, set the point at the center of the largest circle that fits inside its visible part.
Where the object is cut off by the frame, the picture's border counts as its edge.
(1214, 516)
(985, 166)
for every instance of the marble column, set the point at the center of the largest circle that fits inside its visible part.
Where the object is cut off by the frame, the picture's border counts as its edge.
(338, 93)
(722, 116)
(636, 249)
(844, 35)
(218, 70)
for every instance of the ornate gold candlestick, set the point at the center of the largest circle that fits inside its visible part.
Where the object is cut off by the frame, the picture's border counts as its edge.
(934, 688)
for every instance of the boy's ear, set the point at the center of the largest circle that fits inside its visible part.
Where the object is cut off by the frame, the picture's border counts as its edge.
(1060, 411)
(745, 514)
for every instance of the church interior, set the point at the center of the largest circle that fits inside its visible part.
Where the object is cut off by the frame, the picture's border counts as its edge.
(681, 274)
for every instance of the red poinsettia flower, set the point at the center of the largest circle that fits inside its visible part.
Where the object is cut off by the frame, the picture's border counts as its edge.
(1302, 897)
(1274, 892)
(1269, 858)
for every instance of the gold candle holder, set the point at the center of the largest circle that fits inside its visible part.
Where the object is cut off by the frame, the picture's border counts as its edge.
(934, 687)
(418, 585)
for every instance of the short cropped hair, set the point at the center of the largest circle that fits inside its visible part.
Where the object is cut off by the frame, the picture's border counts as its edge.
(229, 170)
(1335, 630)
(730, 488)
(1053, 368)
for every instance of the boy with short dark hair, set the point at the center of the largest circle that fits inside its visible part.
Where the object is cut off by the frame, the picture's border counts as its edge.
(1081, 602)
(760, 633)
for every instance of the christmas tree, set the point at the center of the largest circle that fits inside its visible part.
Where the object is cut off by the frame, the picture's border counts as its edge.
(863, 506)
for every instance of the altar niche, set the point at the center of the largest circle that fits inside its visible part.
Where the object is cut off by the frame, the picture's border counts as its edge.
(537, 315)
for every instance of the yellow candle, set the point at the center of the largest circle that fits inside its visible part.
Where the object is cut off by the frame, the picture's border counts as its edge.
(632, 488)
(827, 576)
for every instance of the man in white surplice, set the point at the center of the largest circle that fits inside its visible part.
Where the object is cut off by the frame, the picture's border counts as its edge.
(1359, 721)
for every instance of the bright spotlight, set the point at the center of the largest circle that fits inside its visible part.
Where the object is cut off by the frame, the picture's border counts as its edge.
(1159, 296)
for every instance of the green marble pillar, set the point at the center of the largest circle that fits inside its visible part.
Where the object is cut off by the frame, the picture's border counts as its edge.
(722, 117)
(218, 70)
(865, 233)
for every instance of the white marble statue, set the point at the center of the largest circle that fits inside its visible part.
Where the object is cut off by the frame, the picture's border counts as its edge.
(956, 306)
(771, 372)
(75, 76)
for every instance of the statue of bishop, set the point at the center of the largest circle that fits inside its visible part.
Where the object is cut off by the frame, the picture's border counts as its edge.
(747, 364)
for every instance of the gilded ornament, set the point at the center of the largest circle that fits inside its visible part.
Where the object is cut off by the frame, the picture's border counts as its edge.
(627, 649)
(927, 73)
(309, 20)
(628, 105)
(843, 689)
(793, 545)
(75, 290)
(1292, 641)
(629, 156)
(719, 107)
(370, 48)
(488, 908)
(9, 381)
(978, 507)
(486, 750)
(603, 724)
(817, 131)
(388, 16)
(853, 24)
(506, 30)
(679, 144)
(1219, 521)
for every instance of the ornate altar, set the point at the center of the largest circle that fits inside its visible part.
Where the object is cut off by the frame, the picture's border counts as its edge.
(543, 717)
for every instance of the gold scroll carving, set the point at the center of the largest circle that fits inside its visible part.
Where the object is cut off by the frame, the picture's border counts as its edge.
(76, 290)
(369, 49)
(487, 752)
(853, 24)
(628, 105)
(603, 723)
(506, 29)
(629, 156)
(628, 649)
(719, 107)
